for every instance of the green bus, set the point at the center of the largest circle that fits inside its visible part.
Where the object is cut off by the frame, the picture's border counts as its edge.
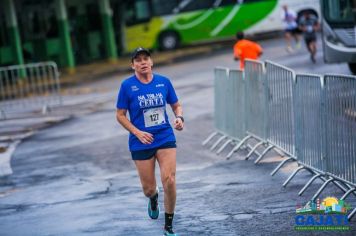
(162, 24)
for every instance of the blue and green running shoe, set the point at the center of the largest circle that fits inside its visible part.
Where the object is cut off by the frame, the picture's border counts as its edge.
(168, 231)
(153, 207)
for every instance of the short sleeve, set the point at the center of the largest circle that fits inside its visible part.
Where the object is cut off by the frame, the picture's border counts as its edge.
(237, 51)
(171, 93)
(122, 99)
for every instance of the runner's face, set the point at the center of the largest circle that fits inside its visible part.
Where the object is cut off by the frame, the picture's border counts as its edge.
(142, 64)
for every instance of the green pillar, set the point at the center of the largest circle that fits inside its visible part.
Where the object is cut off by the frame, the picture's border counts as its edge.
(64, 34)
(13, 30)
(108, 30)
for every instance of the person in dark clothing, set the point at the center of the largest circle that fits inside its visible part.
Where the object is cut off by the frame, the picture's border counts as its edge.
(309, 25)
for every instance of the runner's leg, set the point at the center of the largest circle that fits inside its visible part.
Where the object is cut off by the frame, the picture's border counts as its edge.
(312, 46)
(296, 36)
(288, 37)
(167, 162)
(146, 171)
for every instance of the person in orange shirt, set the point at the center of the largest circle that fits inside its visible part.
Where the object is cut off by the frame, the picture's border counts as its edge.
(246, 49)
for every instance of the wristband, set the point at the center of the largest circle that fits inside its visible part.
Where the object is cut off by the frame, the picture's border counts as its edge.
(180, 117)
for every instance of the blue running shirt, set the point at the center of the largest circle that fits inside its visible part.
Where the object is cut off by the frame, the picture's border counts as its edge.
(146, 104)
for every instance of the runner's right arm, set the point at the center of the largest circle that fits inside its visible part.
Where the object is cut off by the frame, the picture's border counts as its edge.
(144, 137)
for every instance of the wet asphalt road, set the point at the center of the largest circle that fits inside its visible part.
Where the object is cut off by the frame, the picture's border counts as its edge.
(77, 178)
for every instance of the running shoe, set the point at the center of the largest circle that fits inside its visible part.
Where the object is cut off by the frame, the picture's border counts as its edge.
(168, 231)
(153, 207)
(289, 49)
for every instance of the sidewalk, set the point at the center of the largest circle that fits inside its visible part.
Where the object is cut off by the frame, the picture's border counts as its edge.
(97, 70)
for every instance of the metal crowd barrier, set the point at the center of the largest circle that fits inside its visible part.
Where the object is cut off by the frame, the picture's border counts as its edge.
(30, 86)
(340, 135)
(220, 106)
(340, 125)
(281, 120)
(255, 106)
(280, 107)
(309, 131)
(310, 118)
(234, 97)
(229, 105)
(309, 127)
(237, 106)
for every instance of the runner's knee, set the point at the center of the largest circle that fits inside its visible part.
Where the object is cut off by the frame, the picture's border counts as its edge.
(149, 191)
(169, 180)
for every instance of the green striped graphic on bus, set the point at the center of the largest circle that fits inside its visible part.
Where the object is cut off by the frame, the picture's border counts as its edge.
(167, 24)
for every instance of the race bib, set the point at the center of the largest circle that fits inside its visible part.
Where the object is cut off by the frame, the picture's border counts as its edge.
(154, 116)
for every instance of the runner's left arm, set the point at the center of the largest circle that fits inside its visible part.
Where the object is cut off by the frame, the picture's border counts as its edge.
(178, 112)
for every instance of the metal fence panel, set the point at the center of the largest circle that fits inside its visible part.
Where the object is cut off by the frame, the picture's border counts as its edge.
(220, 98)
(255, 95)
(236, 128)
(340, 123)
(308, 121)
(29, 86)
(280, 107)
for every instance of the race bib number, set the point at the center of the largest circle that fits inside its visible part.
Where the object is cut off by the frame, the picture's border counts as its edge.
(154, 116)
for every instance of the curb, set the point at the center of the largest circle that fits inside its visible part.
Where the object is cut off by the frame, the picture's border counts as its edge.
(98, 70)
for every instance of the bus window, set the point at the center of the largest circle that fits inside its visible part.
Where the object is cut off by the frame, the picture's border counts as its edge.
(191, 5)
(163, 7)
(339, 11)
(230, 2)
(137, 12)
(142, 10)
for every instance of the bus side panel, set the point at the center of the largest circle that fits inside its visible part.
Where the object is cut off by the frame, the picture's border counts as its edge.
(144, 34)
(248, 16)
(197, 25)
(222, 22)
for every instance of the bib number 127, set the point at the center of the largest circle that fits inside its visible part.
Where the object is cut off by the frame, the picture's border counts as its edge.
(154, 116)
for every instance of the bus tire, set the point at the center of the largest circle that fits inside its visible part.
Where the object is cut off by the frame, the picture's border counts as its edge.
(168, 40)
(352, 67)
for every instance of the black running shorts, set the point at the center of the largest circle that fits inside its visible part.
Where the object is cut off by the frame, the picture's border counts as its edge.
(149, 153)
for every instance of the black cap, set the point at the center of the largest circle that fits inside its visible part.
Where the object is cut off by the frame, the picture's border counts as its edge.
(138, 51)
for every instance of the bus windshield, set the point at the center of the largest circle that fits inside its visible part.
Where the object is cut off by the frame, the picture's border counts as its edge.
(340, 12)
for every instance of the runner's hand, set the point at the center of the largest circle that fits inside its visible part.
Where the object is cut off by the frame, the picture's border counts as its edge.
(178, 124)
(144, 137)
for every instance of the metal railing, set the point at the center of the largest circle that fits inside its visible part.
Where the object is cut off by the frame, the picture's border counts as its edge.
(230, 85)
(310, 118)
(280, 107)
(30, 86)
(256, 109)
(340, 126)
